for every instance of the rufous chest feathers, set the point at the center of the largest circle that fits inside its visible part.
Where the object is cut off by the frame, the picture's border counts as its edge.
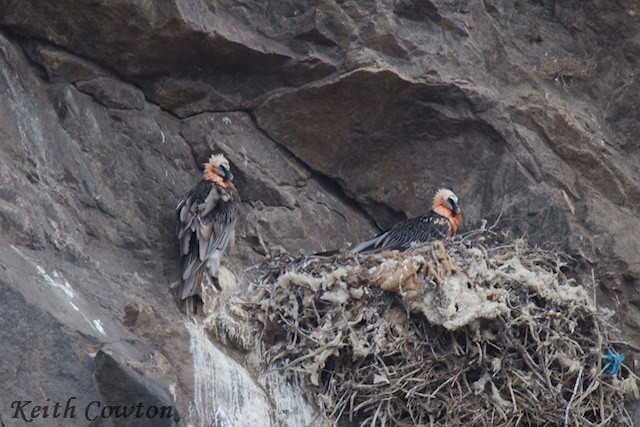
(453, 220)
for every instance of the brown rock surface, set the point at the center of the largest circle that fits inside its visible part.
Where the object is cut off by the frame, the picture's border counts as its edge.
(337, 116)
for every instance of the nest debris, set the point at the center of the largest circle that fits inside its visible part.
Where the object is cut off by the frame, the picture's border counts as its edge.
(482, 331)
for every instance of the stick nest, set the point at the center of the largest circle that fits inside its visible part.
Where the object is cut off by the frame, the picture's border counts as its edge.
(480, 331)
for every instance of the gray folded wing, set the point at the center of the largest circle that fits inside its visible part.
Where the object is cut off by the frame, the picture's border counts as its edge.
(420, 229)
(206, 226)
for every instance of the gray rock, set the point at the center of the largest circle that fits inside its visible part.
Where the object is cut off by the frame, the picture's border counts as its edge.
(143, 401)
(339, 119)
(113, 93)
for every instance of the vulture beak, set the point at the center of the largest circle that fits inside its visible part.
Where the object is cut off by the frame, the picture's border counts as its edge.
(455, 208)
(224, 172)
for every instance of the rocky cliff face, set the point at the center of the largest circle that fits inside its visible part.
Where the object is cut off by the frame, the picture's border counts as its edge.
(339, 117)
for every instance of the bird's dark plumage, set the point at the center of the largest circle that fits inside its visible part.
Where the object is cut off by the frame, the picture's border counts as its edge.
(206, 221)
(423, 228)
(441, 222)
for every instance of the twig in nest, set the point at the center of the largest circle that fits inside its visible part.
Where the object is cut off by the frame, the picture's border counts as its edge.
(573, 396)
